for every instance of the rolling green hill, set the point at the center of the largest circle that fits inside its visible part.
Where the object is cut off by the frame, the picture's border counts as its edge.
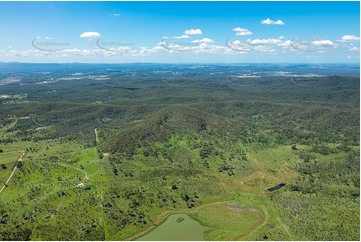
(110, 155)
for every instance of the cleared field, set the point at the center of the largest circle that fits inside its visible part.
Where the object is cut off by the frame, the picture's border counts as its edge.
(229, 221)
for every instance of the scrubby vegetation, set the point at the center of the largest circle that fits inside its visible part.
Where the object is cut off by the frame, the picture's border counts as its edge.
(112, 153)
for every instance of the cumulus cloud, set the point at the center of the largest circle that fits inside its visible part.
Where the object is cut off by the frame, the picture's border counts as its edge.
(349, 38)
(197, 45)
(204, 40)
(90, 35)
(264, 41)
(209, 48)
(279, 22)
(269, 21)
(322, 43)
(182, 37)
(285, 44)
(193, 32)
(354, 48)
(263, 48)
(238, 46)
(242, 31)
(144, 51)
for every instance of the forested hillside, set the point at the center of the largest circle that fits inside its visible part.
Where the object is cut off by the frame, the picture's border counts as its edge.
(253, 152)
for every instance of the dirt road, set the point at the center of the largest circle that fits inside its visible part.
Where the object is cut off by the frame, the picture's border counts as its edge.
(12, 173)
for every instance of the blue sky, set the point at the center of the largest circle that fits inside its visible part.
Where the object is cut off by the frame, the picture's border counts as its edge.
(178, 32)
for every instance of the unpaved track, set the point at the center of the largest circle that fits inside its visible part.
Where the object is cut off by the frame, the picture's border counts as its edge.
(12, 173)
(96, 136)
(78, 169)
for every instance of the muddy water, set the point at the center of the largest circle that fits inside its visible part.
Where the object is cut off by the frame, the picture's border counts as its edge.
(188, 229)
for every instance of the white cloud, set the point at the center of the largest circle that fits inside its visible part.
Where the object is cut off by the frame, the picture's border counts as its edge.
(322, 43)
(193, 32)
(182, 37)
(279, 22)
(196, 46)
(263, 48)
(204, 40)
(349, 38)
(264, 41)
(204, 45)
(238, 46)
(143, 51)
(210, 49)
(285, 44)
(354, 48)
(271, 22)
(242, 31)
(115, 14)
(90, 35)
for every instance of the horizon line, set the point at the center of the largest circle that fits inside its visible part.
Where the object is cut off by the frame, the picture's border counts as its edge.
(179, 63)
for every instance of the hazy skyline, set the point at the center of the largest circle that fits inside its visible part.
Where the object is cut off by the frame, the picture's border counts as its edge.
(180, 32)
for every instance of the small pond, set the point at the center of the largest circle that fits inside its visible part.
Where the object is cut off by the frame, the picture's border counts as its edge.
(177, 227)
